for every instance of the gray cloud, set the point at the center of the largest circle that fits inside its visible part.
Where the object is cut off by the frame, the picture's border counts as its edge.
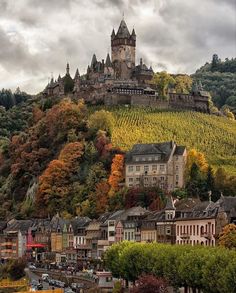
(39, 37)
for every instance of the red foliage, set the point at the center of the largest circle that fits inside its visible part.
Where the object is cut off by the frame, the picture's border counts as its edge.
(103, 144)
(147, 197)
(149, 284)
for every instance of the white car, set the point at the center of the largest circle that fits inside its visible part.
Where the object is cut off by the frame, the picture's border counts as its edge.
(32, 267)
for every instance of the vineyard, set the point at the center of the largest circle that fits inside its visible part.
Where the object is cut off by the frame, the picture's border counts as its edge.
(215, 136)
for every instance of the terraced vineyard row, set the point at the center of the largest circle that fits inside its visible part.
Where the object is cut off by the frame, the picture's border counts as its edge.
(215, 136)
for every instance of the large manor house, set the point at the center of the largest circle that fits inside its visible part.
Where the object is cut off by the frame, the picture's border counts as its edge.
(119, 80)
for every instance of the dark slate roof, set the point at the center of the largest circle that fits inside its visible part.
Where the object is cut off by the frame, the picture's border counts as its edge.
(169, 204)
(179, 150)
(18, 225)
(108, 61)
(94, 60)
(123, 31)
(3, 225)
(164, 149)
(186, 204)
(80, 222)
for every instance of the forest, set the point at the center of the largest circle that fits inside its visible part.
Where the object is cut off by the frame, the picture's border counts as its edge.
(219, 78)
(63, 156)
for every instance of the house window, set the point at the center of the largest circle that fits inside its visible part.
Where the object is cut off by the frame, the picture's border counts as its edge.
(136, 159)
(154, 179)
(111, 233)
(162, 178)
(154, 167)
(137, 168)
(162, 167)
(156, 158)
(146, 168)
(149, 158)
(176, 168)
(131, 179)
(130, 169)
(177, 177)
(162, 185)
(168, 231)
(145, 179)
(138, 179)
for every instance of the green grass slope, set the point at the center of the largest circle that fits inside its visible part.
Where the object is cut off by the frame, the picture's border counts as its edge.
(215, 136)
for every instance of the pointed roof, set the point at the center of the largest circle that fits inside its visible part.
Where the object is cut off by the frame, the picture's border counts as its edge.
(108, 61)
(94, 60)
(77, 73)
(170, 204)
(59, 77)
(113, 33)
(133, 33)
(123, 31)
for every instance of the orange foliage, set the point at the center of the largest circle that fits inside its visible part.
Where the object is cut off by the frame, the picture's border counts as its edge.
(37, 114)
(53, 181)
(117, 172)
(101, 193)
(71, 152)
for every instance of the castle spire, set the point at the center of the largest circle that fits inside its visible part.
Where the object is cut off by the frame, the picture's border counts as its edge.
(108, 61)
(67, 69)
(94, 60)
(123, 31)
(77, 74)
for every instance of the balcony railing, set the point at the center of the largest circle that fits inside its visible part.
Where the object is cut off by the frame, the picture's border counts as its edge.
(207, 235)
(185, 235)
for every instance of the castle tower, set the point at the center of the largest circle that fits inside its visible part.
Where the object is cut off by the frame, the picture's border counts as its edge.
(123, 49)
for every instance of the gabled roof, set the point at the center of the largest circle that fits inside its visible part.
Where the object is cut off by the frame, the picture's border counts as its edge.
(163, 149)
(18, 225)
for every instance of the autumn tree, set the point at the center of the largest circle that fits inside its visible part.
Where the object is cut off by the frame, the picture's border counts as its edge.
(227, 237)
(149, 284)
(101, 196)
(163, 81)
(199, 159)
(103, 144)
(117, 173)
(183, 84)
(101, 120)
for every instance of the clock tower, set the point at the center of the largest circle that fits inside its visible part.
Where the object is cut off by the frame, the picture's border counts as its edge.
(123, 51)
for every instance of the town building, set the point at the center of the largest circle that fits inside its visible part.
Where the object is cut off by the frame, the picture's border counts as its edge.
(119, 80)
(156, 164)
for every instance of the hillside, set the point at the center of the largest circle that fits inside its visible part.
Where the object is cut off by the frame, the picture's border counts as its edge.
(215, 136)
(219, 78)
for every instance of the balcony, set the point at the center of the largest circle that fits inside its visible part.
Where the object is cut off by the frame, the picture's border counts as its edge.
(185, 235)
(206, 235)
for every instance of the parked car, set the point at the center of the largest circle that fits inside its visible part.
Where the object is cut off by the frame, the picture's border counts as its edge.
(32, 267)
(40, 286)
(45, 277)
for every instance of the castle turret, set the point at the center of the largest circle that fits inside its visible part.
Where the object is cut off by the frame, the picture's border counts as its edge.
(94, 61)
(108, 61)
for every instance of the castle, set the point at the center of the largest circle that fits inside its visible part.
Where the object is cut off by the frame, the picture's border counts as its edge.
(118, 80)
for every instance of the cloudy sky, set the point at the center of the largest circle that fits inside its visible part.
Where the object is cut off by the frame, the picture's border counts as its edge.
(38, 37)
